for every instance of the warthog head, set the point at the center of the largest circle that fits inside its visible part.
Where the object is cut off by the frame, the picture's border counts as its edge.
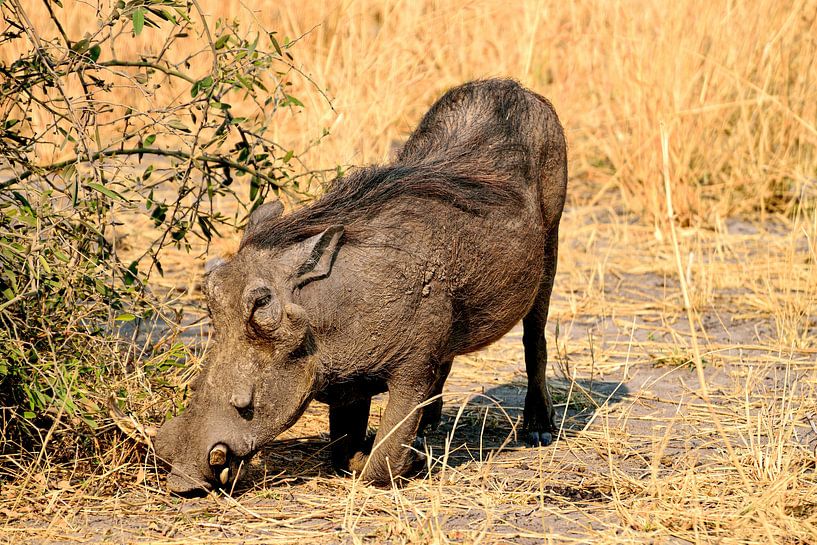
(261, 372)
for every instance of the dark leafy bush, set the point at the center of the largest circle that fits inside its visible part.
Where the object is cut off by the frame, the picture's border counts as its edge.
(92, 142)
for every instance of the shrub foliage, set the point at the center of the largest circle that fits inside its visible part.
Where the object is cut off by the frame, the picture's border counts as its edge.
(92, 141)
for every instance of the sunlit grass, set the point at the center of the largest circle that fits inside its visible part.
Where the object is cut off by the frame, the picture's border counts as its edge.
(734, 85)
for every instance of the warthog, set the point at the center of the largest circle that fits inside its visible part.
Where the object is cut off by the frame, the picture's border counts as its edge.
(377, 286)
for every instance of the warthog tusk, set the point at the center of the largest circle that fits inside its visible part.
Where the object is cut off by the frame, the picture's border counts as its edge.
(225, 475)
(218, 455)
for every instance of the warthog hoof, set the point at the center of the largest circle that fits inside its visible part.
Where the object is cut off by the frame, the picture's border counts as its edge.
(539, 438)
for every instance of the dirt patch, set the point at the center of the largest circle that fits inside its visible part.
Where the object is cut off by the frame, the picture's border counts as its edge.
(642, 456)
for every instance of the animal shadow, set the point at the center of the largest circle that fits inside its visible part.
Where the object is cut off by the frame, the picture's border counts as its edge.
(473, 427)
(491, 422)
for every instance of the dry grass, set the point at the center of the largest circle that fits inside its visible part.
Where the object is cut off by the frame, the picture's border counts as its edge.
(642, 461)
(644, 456)
(733, 81)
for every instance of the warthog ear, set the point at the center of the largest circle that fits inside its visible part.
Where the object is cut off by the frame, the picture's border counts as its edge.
(322, 250)
(212, 264)
(266, 211)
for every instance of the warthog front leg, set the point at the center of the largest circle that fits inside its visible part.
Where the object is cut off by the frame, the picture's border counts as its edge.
(348, 424)
(391, 454)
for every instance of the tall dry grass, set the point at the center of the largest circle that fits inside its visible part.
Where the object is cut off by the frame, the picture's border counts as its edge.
(735, 83)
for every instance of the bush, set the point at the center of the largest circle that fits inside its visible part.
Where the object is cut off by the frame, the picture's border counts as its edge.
(93, 144)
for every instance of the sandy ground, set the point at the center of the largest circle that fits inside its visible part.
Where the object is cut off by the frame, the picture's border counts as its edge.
(635, 424)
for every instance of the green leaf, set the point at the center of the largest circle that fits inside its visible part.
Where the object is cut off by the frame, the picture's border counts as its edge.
(202, 84)
(31, 221)
(23, 201)
(66, 134)
(245, 82)
(44, 262)
(94, 52)
(81, 46)
(204, 226)
(244, 154)
(222, 41)
(292, 100)
(149, 140)
(255, 184)
(90, 422)
(125, 317)
(131, 274)
(159, 214)
(164, 14)
(110, 193)
(138, 20)
(275, 44)
(178, 125)
(69, 171)
(254, 44)
(28, 415)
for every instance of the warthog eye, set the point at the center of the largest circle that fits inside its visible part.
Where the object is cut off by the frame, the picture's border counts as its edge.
(265, 311)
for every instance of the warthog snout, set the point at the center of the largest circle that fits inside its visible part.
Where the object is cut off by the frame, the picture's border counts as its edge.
(201, 464)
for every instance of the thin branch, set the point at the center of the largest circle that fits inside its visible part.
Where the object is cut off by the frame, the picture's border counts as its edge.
(222, 161)
(35, 39)
(57, 23)
(145, 64)
(209, 36)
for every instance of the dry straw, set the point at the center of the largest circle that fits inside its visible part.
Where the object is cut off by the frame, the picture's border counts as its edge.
(687, 288)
